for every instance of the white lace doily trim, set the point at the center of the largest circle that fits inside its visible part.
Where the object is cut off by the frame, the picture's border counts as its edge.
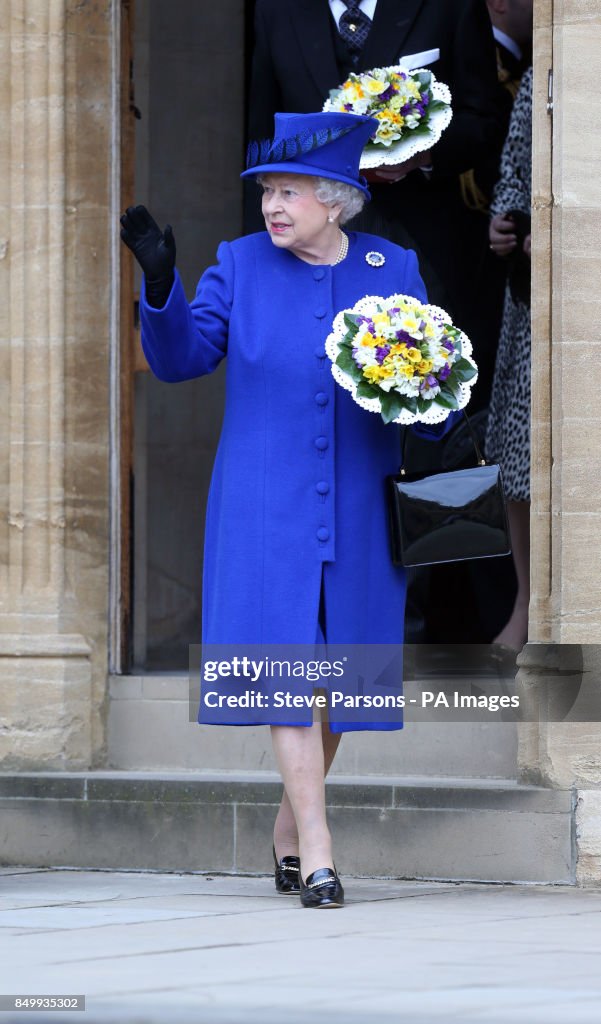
(398, 152)
(435, 413)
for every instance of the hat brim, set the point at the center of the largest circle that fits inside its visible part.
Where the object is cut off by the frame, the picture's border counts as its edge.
(289, 167)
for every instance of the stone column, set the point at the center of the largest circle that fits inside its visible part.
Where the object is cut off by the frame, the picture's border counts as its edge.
(55, 174)
(565, 613)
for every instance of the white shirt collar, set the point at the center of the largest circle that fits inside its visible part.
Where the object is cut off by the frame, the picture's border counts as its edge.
(509, 43)
(338, 8)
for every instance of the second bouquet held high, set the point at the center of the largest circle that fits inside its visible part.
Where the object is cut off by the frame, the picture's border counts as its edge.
(412, 109)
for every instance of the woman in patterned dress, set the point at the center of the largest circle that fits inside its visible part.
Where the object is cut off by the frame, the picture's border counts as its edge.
(508, 432)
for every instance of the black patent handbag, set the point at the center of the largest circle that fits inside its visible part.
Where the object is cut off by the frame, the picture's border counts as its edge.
(450, 516)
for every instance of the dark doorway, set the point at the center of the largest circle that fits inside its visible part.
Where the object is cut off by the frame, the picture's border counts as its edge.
(189, 76)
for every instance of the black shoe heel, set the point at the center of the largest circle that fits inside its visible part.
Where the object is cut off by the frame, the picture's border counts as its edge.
(322, 890)
(287, 872)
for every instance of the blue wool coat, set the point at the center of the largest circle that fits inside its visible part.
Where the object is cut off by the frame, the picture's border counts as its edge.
(297, 489)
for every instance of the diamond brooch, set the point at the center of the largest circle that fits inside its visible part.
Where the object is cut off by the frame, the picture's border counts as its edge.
(375, 259)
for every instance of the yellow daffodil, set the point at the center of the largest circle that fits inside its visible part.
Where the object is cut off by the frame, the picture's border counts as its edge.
(354, 92)
(374, 87)
(414, 355)
(425, 366)
(376, 373)
(410, 323)
(387, 133)
(381, 319)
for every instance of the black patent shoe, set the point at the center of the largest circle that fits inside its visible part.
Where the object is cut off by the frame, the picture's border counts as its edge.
(287, 871)
(322, 889)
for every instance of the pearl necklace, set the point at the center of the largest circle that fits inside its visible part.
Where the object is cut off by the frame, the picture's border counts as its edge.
(343, 250)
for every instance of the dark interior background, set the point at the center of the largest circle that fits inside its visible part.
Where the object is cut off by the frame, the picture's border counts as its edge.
(191, 69)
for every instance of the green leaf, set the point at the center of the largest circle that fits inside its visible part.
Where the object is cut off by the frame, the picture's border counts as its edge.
(346, 362)
(441, 400)
(422, 128)
(391, 405)
(424, 78)
(423, 404)
(351, 322)
(463, 370)
(446, 398)
(367, 390)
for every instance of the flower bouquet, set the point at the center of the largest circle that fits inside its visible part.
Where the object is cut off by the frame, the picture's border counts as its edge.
(412, 108)
(402, 359)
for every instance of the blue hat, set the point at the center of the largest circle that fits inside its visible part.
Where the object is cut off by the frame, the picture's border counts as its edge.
(325, 145)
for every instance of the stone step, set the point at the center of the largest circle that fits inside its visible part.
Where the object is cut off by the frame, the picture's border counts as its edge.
(152, 726)
(419, 828)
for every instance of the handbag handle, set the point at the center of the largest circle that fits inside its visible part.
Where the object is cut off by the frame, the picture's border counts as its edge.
(479, 457)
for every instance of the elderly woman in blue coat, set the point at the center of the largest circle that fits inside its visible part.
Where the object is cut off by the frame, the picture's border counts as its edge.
(296, 547)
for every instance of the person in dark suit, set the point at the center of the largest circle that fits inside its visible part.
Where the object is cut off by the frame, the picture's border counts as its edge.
(302, 51)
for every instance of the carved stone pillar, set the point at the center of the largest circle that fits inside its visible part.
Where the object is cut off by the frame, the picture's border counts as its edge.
(55, 174)
(566, 415)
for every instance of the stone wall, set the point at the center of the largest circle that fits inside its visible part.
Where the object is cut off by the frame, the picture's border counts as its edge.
(565, 613)
(59, 86)
(56, 169)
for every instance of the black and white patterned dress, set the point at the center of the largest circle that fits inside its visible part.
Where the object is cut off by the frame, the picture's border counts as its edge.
(508, 430)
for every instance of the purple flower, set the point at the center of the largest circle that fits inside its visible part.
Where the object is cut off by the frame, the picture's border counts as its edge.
(348, 106)
(381, 352)
(394, 310)
(428, 382)
(425, 99)
(444, 373)
(387, 95)
(403, 336)
(448, 345)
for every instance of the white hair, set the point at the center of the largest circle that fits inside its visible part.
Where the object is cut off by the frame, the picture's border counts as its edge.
(332, 193)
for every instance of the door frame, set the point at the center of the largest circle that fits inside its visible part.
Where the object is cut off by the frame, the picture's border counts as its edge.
(121, 342)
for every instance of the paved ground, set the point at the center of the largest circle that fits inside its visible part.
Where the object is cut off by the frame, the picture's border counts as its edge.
(194, 949)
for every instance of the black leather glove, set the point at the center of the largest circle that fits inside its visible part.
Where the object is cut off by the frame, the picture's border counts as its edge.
(154, 250)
